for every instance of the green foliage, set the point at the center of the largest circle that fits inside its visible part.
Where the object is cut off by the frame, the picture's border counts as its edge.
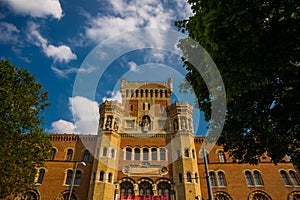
(256, 47)
(23, 146)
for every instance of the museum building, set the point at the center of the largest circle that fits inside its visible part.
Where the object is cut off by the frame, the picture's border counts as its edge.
(146, 149)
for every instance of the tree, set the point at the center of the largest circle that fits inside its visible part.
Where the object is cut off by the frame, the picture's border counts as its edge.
(256, 47)
(23, 146)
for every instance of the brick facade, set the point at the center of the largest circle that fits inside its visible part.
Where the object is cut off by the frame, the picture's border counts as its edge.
(146, 149)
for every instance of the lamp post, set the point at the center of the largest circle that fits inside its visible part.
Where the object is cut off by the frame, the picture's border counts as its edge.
(210, 193)
(73, 178)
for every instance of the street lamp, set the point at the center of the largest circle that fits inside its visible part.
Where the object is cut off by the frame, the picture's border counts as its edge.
(73, 177)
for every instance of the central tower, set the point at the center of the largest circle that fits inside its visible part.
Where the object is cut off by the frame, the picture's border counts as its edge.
(145, 147)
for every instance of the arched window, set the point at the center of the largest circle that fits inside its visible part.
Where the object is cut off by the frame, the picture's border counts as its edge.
(137, 152)
(53, 152)
(193, 153)
(221, 179)
(142, 93)
(221, 157)
(153, 154)
(77, 177)
(180, 178)
(41, 176)
(112, 153)
(188, 177)
(294, 178)
(212, 179)
(101, 177)
(109, 177)
(162, 154)
(128, 153)
(257, 178)
(86, 156)
(104, 152)
(69, 155)
(249, 178)
(145, 154)
(130, 107)
(186, 152)
(285, 178)
(69, 177)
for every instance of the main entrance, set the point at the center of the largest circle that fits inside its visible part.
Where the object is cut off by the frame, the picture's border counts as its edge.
(145, 189)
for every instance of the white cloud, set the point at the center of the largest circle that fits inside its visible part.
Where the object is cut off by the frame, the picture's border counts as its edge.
(133, 66)
(8, 33)
(85, 114)
(114, 96)
(128, 15)
(61, 53)
(36, 8)
(62, 126)
(64, 73)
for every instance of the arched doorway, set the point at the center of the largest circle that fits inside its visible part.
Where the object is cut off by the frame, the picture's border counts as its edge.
(164, 188)
(126, 188)
(145, 188)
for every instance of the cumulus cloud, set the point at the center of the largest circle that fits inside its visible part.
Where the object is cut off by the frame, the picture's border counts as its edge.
(128, 15)
(85, 115)
(61, 53)
(36, 8)
(62, 126)
(114, 96)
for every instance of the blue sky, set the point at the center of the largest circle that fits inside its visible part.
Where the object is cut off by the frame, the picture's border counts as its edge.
(54, 40)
